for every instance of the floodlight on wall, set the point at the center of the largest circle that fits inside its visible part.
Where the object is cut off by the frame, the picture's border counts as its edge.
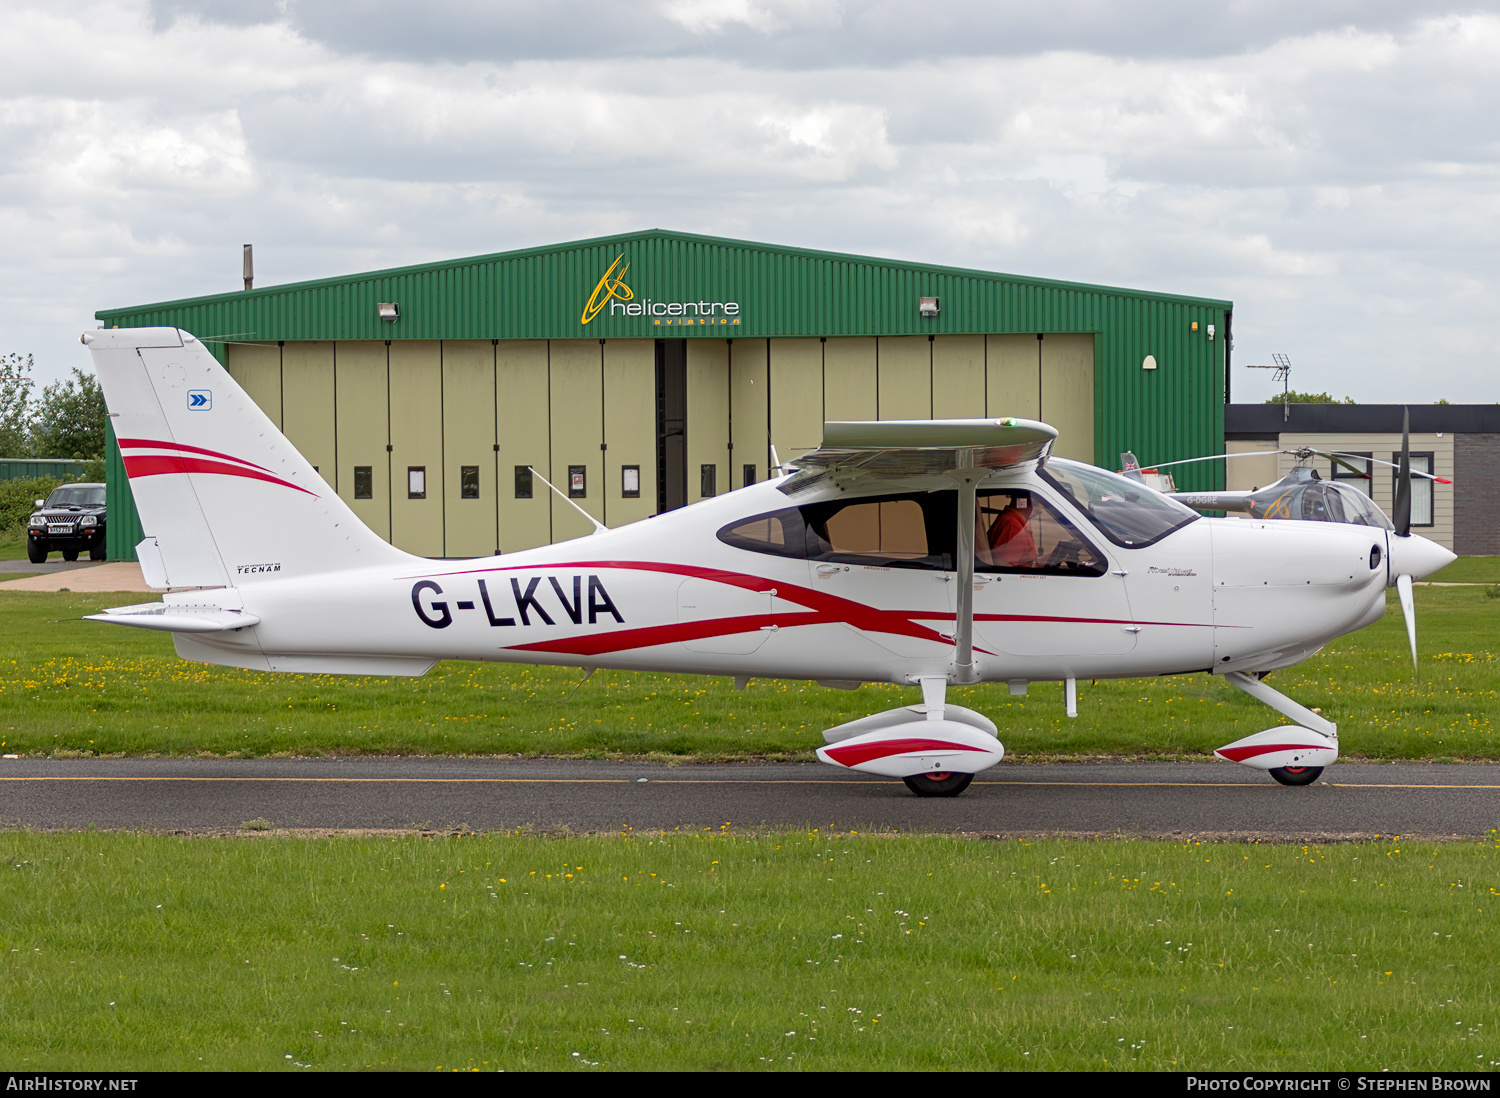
(928, 306)
(1210, 333)
(388, 311)
(1149, 363)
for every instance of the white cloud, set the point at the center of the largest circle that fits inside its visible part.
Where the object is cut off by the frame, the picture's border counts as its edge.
(1334, 175)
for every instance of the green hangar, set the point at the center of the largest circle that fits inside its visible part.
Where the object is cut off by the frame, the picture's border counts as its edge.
(642, 372)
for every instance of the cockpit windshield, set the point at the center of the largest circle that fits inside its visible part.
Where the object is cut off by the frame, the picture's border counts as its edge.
(1127, 512)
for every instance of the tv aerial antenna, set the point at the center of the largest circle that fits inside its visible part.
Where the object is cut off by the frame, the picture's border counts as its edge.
(1283, 373)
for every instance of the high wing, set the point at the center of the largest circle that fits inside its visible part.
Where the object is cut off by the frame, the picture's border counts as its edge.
(960, 451)
(899, 448)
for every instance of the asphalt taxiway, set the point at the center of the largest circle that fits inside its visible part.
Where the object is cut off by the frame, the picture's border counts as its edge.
(1218, 800)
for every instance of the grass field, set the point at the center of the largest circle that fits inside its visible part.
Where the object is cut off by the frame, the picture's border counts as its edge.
(68, 687)
(726, 950)
(721, 951)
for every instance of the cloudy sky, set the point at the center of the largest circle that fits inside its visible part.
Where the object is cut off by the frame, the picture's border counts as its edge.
(1331, 166)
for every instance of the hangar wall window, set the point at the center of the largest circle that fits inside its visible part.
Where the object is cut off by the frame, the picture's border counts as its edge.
(708, 481)
(578, 482)
(364, 482)
(468, 480)
(630, 481)
(1357, 479)
(749, 477)
(523, 481)
(416, 482)
(1421, 487)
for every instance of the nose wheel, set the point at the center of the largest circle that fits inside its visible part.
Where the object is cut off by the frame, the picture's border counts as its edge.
(1297, 775)
(939, 783)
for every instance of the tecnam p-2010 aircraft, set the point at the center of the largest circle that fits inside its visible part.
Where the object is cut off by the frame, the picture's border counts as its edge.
(921, 553)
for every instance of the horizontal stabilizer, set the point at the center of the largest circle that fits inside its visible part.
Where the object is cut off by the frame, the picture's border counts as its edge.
(174, 618)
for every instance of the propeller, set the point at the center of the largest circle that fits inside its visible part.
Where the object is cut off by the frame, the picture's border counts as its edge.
(1401, 516)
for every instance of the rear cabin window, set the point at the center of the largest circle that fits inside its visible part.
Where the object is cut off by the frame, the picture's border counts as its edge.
(914, 531)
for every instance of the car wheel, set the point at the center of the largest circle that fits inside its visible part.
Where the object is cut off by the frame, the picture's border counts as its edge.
(36, 551)
(98, 552)
(70, 554)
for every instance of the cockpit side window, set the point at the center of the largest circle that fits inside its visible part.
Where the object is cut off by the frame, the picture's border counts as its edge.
(1018, 531)
(1126, 512)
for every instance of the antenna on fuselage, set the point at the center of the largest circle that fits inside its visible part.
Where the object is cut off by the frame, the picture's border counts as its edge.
(599, 527)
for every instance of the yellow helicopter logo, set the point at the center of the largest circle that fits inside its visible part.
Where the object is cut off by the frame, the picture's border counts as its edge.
(611, 286)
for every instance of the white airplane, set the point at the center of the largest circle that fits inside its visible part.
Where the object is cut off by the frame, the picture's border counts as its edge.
(920, 553)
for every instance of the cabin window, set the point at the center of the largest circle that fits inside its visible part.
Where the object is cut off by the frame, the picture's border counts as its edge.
(1018, 531)
(911, 531)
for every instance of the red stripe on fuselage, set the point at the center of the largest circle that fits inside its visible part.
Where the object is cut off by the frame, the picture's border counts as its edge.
(826, 609)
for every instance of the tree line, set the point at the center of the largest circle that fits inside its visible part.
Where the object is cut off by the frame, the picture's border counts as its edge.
(64, 420)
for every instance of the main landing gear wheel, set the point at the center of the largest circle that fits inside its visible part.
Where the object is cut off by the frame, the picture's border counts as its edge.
(1297, 775)
(940, 783)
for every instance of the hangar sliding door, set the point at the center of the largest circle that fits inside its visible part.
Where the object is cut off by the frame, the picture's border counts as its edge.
(796, 396)
(307, 416)
(749, 437)
(362, 425)
(523, 430)
(470, 513)
(903, 377)
(256, 368)
(575, 369)
(958, 377)
(707, 418)
(1067, 400)
(416, 378)
(629, 434)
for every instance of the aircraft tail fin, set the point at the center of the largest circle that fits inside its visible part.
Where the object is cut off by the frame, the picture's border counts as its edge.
(224, 498)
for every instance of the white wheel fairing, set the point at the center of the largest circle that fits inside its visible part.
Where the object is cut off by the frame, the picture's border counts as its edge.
(1277, 748)
(917, 747)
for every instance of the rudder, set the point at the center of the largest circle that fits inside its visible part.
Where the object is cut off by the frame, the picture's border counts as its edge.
(222, 493)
